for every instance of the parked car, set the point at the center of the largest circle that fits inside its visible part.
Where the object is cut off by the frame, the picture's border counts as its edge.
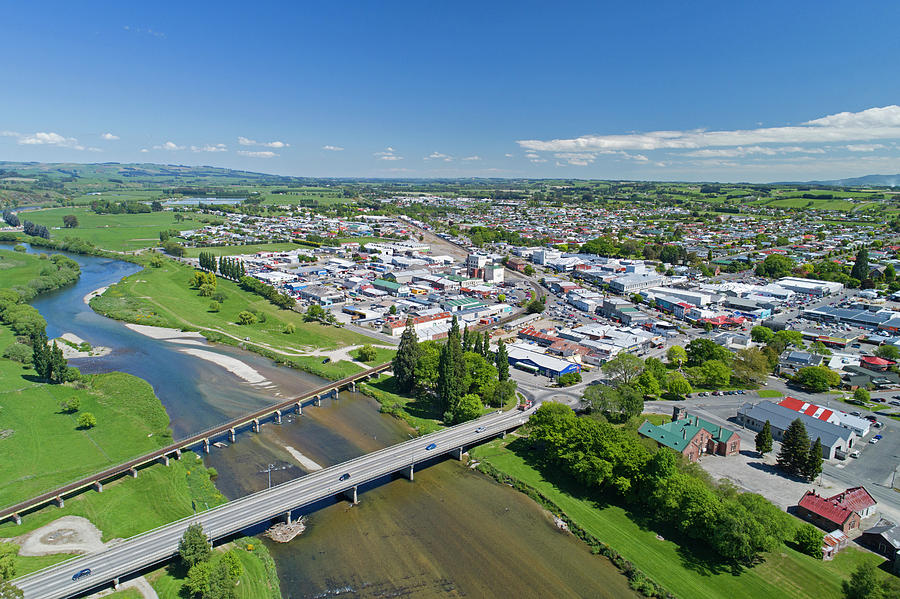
(873, 440)
(854, 454)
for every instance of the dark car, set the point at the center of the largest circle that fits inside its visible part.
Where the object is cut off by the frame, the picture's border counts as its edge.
(431, 446)
(344, 476)
(81, 574)
(326, 360)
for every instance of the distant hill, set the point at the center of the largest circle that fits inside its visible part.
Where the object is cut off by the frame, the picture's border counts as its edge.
(865, 181)
(167, 174)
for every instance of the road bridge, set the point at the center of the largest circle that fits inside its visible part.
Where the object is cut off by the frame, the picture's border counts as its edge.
(154, 547)
(201, 441)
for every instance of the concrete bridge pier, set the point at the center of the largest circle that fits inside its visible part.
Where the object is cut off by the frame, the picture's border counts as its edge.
(503, 435)
(164, 460)
(277, 416)
(177, 454)
(287, 518)
(353, 386)
(205, 445)
(458, 453)
(351, 495)
(132, 472)
(256, 425)
(59, 501)
(232, 436)
(98, 486)
(317, 401)
(407, 472)
(115, 584)
(17, 519)
(299, 409)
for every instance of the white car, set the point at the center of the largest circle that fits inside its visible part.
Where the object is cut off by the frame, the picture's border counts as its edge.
(873, 441)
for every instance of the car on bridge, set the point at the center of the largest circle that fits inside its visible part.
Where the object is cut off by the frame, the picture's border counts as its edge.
(344, 476)
(480, 429)
(431, 446)
(81, 574)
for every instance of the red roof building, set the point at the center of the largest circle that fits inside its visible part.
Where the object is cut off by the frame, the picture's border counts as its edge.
(843, 511)
(875, 363)
(810, 409)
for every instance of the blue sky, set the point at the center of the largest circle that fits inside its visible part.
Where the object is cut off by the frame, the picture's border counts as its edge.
(764, 91)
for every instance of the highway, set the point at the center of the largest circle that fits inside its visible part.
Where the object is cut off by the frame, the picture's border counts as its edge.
(158, 545)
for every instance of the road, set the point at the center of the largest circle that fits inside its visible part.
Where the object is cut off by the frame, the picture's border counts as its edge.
(159, 545)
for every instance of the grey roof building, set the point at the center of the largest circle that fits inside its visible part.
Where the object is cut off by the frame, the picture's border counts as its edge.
(834, 438)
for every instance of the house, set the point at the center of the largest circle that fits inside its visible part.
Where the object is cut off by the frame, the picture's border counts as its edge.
(826, 514)
(790, 361)
(692, 437)
(845, 510)
(832, 543)
(884, 538)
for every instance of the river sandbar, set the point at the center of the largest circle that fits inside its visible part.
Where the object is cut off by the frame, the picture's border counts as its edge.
(232, 365)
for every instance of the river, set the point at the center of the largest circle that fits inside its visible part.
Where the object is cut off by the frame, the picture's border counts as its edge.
(451, 533)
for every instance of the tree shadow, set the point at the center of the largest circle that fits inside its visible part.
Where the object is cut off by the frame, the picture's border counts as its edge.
(775, 470)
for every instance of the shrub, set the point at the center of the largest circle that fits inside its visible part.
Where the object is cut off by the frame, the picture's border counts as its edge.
(70, 406)
(86, 420)
(18, 352)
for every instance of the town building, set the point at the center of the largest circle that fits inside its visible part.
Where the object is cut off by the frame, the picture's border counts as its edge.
(835, 439)
(692, 436)
(843, 511)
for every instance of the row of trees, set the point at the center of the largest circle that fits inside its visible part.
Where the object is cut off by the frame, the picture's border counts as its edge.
(456, 381)
(48, 360)
(29, 228)
(282, 300)
(209, 576)
(10, 218)
(231, 268)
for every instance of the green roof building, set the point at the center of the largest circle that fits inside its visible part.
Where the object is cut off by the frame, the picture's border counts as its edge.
(692, 436)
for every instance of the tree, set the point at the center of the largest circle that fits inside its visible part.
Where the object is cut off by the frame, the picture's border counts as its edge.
(59, 368)
(290, 328)
(451, 371)
(214, 306)
(406, 359)
(70, 221)
(863, 583)
(813, 465)
(535, 305)
(366, 353)
(71, 405)
(501, 361)
(393, 309)
(528, 270)
(794, 453)
(624, 368)
(221, 582)
(427, 366)
(617, 404)
(862, 395)
(647, 384)
(751, 365)
(764, 439)
(888, 352)
(809, 540)
(570, 378)
(678, 385)
(233, 564)
(890, 273)
(860, 268)
(467, 408)
(701, 350)
(86, 420)
(714, 373)
(314, 312)
(245, 317)
(504, 392)
(156, 261)
(194, 546)
(761, 334)
(817, 378)
(789, 337)
(199, 578)
(676, 356)
(820, 349)
(775, 266)
(8, 553)
(10, 591)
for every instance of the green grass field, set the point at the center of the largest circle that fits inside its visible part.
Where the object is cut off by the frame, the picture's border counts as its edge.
(382, 355)
(44, 448)
(769, 393)
(17, 268)
(232, 250)
(115, 232)
(415, 412)
(784, 573)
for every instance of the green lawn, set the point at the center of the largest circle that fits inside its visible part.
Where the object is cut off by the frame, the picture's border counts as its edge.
(17, 268)
(162, 297)
(418, 413)
(44, 448)
(232, 250)
(769, 393)
(657, 419)
(382, 355)
(785, 573)
(116, 232)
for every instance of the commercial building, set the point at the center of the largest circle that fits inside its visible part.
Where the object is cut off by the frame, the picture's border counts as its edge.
(810, 286)
(530, 359)
(858, 425)
(835, 439)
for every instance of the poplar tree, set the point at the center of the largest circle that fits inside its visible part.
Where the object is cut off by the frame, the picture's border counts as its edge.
(813, 465)
(40, 357)
(451, 371)
(502, 361)
(406, 358)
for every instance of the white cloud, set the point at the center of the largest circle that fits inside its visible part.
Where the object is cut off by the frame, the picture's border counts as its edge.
(144, 150)
(870, 124)
(439, 156)
(752, 150)
(508, 155)
(9, 134)
(586, 158)
(49, 139)
(388, 154)
(109, 137)
(169, 146)
(263, 154)
(469, 158)
(267, 144)
(864, 147)
(333, 148)
(210, 148)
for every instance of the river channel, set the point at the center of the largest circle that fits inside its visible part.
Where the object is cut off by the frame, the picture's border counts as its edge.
(451, 533)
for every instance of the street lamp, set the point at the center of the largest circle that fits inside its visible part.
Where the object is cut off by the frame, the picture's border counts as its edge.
(268, 471)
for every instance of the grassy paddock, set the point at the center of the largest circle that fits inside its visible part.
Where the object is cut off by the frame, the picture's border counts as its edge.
(418, 413)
